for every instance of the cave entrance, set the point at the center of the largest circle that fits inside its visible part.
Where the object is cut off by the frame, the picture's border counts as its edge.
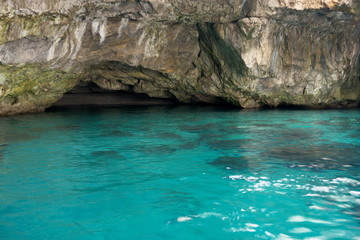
(88, 94)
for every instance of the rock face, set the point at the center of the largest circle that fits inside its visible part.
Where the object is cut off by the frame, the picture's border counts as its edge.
(250, 53)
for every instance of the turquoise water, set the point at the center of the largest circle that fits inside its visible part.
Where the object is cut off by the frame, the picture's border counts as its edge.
(180, 173)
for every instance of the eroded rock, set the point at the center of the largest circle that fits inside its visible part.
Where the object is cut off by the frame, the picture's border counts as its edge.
(249, 53)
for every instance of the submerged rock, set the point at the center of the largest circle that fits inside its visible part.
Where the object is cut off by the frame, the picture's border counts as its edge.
(249, 53)
(228, 162)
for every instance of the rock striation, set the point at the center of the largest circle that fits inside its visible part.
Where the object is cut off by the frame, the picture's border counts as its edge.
(250, 53)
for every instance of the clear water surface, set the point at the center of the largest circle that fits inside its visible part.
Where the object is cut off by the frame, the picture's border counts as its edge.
(180, 173)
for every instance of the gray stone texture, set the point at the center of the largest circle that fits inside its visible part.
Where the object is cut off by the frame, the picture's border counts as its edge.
(249, 53)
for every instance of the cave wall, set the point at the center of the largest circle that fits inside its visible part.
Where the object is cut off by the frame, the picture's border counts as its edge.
(249, 53)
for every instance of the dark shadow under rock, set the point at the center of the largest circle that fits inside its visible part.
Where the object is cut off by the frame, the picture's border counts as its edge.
(113, 99)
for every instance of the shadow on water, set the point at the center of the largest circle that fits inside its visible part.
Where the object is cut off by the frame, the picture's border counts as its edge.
(168, 135)
(107, 153)
(156, 150)
(235, 144)
(184, 202)
(99, 160)
(68, 127)
(197, 128)
(189, 145)
(233, 163)
(316, 157)
(17, 137)
(117, 133)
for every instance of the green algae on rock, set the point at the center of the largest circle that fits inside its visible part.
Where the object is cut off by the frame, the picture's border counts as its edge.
(31, 88)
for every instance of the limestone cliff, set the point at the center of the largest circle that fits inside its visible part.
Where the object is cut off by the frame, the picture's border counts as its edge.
(249, 53)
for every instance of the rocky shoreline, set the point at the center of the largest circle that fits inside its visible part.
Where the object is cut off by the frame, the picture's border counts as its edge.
(248, 53)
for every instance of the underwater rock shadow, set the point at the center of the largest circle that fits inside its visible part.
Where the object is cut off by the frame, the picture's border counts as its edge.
(100, 159)
(168, 135)
(197, 128)
(156, 150)
(70, 127)
(117, 133)
(19, 137)
(231, 163)
(106, 153)
(316, 157)
(240, 144)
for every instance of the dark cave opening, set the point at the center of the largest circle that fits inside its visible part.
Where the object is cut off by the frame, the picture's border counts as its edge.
(88, 94)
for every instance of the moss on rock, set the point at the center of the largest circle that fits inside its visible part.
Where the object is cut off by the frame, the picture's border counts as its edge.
(30, 88)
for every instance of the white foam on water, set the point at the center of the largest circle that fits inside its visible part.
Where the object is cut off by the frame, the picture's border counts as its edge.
(342, 199)
(355, 193)
(235, 177)
(312, 195)
(345, 181)
(251, 179)
(346, 206)
(269, 234)
(253, 225)
(299, 218)
(208, 214)
(300, 230)
(312, 220)
(302, 187)
(282, 180)
(262, 183)
(296, 219)
(317, 207)
(246, 229)
(284, 237)
(316, 238)
(183, 219)
(321, 188)
(278, 184)
(342, 220)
